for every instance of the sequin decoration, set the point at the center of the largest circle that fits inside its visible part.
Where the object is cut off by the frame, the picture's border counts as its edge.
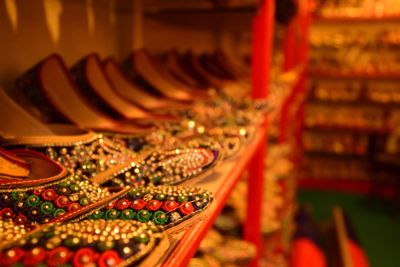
(85, 243)
(43, 203)
(163, 205)
(173, 166)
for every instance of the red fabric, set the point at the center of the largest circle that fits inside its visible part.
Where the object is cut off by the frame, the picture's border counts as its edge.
(357, 255)
(306, 254)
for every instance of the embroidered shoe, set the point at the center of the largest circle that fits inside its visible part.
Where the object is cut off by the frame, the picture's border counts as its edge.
(167, 206)
(176, 165)
(87, 243)
(48, 193)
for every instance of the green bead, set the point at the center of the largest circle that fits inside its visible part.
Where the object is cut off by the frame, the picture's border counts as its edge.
(33, 200)
(205, 195)
(49, 235)
(59, 212)
(18, 264)
(96, 215)
(182, 198)
(18, 195)
(135, 192)
(72, 242)
(156, 179)
(143, 216)
(160, 217)
(103, 246)
(47, 207)
(127, 214)
(160, 197)
(84, 201)
(74, 188)
(63, 184)
(111, 214)
(143, 239)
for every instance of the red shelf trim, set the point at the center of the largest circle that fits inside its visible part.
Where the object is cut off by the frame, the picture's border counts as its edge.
(192, 238)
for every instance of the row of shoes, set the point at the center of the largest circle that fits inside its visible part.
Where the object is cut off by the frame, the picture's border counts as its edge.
(91, 157)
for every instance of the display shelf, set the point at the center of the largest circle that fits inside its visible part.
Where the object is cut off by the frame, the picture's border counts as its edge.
(326, 153)
(202, 10)
(223, 177)
(369, 131)
(357, 102)
(391, 160)
(354, 75)
(361, 19)
(185, 244)
(343, 184)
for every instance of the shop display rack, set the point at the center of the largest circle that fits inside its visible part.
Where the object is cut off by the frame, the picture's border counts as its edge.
(377, 127)
(222, 180)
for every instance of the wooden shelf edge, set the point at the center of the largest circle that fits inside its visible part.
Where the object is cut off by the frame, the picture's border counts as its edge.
(231, 173)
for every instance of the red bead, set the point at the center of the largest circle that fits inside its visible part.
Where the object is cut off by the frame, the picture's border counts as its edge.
(186, 208)
(62, 201)
(49, 194)
(170, 205)
(153, 205)
(20, 219)
(6, 213)
(84, 257)
(11, 256)
(122, 204)
(34, 257)
(73, 206)
(138, 204)
(109, 258)
(58, 256)
(37, 191)
(110, 205)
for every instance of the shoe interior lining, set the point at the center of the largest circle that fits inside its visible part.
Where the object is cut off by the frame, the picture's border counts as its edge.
(15, 121)
(59, 88)
(102, 87)
(144, 66)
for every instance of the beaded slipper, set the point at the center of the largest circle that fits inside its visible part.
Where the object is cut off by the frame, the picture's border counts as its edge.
(172, 207)
(88, 243)
(137, 94)
(145, 68)
(193, 158)
(47, 193)
(51, 89)
(86, 153)
(98, 90)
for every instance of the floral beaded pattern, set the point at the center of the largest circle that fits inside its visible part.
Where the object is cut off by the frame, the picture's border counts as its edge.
(163, 205)
(90, 158)
(42, 204)
(87, 243)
